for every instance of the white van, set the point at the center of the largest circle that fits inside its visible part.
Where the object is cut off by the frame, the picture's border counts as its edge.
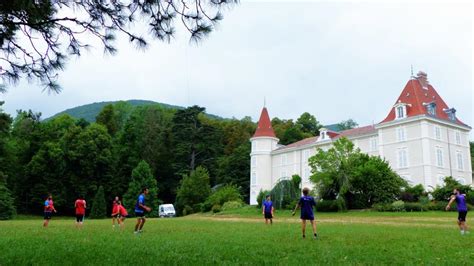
(166, 210)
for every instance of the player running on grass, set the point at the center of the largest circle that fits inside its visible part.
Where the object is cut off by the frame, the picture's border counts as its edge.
(462, 209)
(306, 204)
(118, 212)
(140, 209)
(48, 210)
(80, 206)
(267, 210)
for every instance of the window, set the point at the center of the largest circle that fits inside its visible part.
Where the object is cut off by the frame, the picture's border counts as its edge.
(458, 138)
(460, 161)
(284, 159)
(451, 114)
(254, 178)
(401, 134)
(373, 144)
(400, 111)
(402, 158)
(406, 177)
(283, 175)
(254, 145)
(439, 157)
(437, 132)
(254, 161)
(461, 180)
(431, 108)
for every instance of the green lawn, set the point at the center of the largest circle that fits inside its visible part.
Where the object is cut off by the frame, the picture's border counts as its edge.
(240, 237)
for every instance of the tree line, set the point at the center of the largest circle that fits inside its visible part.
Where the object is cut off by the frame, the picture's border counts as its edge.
(68, 157)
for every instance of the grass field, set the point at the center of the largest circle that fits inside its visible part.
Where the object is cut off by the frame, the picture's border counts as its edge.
(240, 237)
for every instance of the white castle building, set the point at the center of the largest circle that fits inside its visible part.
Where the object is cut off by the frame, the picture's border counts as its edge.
(421, 138)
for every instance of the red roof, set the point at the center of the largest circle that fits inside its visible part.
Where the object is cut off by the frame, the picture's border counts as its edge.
(264, 127)
(415, 96)
(358, 131)
(302, 142)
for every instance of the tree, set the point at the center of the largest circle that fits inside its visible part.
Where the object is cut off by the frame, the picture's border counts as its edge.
(347, 124)
(193, 190)
(99, 206)
(331, 170)
(109, 118)
(55, 30)
(142, 177)
(373, 181)
(287, 131)
(443, 193)
(7, 206)
(307, 123)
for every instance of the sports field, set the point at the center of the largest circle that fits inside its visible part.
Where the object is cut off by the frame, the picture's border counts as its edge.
(241, 237)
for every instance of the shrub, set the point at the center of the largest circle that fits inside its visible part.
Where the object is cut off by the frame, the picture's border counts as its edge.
(414, 207)
(194, 189)
(187, 210)
(444, 193)
(231, 205)
(261, 197)
(382, 207)
(216, 208)
(470, 197)
(221, 196)
(412, 194)
(398, 206)
(326, 206)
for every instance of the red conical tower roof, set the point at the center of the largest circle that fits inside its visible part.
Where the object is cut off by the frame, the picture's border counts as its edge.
(264, 127)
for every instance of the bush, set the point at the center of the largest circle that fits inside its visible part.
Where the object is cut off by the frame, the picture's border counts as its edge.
(414, 207)
(221, 196)
(327, 206)
(382, 207)
(187, 210)
(398, 206)
(216, 208)
(193, 190)
(412, 194)
(444, 193)
(261, 197)
(470, 197)
(231, 205)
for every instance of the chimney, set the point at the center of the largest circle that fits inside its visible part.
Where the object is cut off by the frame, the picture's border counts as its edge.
(422, 77)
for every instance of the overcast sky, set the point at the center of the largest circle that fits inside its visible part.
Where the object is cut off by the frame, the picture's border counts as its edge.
(335, 60)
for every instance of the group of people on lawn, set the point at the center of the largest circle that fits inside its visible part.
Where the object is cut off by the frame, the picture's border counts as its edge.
(118, 211)
(306, 203)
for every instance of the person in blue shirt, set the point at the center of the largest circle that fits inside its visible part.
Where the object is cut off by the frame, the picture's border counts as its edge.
(267, 210)
(306, 203)
(462, 209)
(140, 209)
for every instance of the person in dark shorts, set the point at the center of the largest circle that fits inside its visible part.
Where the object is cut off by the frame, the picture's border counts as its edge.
(306, 203)
(140, 209)
(267, 210)
(462, 209)
(80, 206)
(48, 210)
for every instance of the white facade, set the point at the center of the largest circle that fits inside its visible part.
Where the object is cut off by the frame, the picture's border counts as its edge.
(422, 149)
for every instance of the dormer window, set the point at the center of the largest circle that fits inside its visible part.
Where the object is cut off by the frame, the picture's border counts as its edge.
(431, 108)
(400, 110)
(323, 134)
(451, 114)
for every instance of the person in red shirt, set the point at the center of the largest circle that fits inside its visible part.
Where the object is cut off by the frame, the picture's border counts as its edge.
(116, 212)
(80, 206)
(48, 210)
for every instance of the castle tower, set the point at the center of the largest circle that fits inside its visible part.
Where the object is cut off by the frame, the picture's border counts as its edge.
(263, 142)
